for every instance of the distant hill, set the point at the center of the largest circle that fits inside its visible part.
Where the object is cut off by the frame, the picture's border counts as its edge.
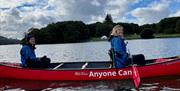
(5, 41)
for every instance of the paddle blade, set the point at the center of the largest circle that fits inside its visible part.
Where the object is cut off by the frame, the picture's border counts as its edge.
(136, 76)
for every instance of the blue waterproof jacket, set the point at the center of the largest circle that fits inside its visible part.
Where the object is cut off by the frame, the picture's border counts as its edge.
(27, 52)
(119, 46)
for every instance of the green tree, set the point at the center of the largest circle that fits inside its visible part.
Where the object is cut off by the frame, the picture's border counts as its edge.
(103, 29)
(108, 19)
(130, 28)
(72, 36)
(61, 32)
(147, 33)
(135, 28)
(169, 31)
(177, 29)
(151, 26)
(167, 23)
(92, 29)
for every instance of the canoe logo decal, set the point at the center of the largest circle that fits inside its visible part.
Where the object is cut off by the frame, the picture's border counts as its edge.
(81, 74)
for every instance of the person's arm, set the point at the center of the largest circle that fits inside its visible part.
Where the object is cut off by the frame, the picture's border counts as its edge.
(118, 47)
(23, 53)
(28, 54)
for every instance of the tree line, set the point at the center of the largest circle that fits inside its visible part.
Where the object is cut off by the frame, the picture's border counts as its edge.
(5, 41)
(78, 31)
(169, 25)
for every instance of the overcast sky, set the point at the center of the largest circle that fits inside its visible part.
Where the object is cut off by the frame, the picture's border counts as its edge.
(17, 16)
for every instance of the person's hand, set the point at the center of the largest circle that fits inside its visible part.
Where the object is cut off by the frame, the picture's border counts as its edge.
(44, 57)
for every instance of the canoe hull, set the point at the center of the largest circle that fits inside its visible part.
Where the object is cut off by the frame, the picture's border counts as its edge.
(154, 70)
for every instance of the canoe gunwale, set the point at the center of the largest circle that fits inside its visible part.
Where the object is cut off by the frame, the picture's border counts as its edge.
(75, 69)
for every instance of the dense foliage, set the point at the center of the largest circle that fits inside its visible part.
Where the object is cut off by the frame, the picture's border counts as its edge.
(147, 33)
(61, 32)
(177, 29)
(77, 31)
(166, 26)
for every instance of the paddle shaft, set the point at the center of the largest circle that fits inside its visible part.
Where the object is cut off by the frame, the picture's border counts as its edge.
(135, 75)
(113, 58)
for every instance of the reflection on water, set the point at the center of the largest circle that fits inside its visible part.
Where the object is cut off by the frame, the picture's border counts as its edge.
(55, 85)
(94, 51)
(161, 83)
(151, 84)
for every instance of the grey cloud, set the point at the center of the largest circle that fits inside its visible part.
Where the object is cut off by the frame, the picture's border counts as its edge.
(42, 13)
(81, 9)
(151, 14)
(14, 22)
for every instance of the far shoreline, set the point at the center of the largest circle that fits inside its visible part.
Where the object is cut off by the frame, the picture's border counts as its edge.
(134, 37)
(128, 37)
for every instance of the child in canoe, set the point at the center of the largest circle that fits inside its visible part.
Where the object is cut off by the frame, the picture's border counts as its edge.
(118, 46)
(28, 56)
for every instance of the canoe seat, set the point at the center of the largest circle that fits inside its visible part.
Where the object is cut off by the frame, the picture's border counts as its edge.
(98, 65)
(110, 66)
(84, 66)
(58, 66)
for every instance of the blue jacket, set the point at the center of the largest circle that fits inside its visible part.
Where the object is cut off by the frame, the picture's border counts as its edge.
(27, 52)
(119, 46)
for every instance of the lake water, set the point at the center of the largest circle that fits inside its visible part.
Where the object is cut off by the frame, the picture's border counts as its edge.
(95, 51)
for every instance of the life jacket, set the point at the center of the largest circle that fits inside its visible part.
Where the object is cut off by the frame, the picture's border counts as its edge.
(27, 53)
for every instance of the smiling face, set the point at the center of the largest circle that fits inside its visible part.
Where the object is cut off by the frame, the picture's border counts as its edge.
(120, 31)
(32, 41)
(117, 31)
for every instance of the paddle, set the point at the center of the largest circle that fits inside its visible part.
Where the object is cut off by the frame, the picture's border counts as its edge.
(113, 58)
(135, 74)
(136, 77)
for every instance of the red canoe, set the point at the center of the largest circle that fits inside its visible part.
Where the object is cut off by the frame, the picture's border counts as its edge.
(90, 71)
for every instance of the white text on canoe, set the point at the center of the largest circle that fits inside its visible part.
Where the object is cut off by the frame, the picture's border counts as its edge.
(110, 73)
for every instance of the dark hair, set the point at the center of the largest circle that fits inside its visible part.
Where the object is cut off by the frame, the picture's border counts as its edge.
(28, 37)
